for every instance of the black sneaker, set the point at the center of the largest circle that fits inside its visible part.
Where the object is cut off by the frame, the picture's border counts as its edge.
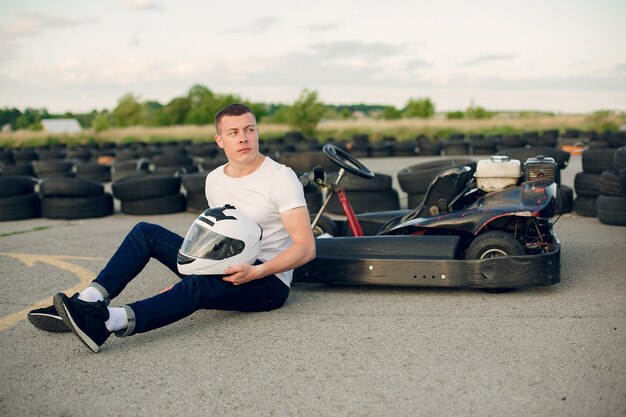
(85, 319)
(47, 319)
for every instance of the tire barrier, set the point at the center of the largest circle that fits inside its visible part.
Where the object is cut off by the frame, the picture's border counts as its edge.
(18, 200)
(456, 145)
(601, 187)
(604, 168)
(53, 168)
(595, 161)
(611, 201)
(93, 171)
(366, 195)
(566, 199)
(150, 194)
(611, 210)
(416, 179)
(367, 201)
(73, 198)
(194, 185)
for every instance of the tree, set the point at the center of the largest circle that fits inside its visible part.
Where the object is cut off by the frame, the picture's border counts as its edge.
(101, 122)
(390, 113)
(455, 115)
(9, 116)
(305, 114)
(151, 111)
(174, 112)
(422, 108)
(202, 105)
(128, 112)
(477, 112)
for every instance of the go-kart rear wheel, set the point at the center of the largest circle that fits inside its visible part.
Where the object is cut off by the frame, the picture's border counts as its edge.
(324, 225)
(491, 245)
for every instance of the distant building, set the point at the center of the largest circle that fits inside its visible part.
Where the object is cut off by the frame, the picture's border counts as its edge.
(61, 125)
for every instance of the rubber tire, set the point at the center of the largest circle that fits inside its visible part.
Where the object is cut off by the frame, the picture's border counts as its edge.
(146, 187)
(48, 168)
(11, 185)
(353, 183)
(195, 183)
(324, 225)
(196, 202)
(619, 159)
(587, 184)
(415, 200)
(585, 206)
(20, 207)
(566, 198)
(416, 179)
(367, 201)
(69, 187)
(595, 161)
(72, 208)
(159, 205)
(19, 168)
(611, 184)
(612, 210)
(494, 240)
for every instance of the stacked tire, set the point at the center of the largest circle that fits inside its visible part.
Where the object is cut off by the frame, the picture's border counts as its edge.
(587, 182)
(18, 199)
(194, 185)
(150, 194)
(415, 179)
(366, 195)
(611, 202)
(74, 198)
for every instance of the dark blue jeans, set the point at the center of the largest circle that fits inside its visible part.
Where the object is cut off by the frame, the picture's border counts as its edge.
(192, 293)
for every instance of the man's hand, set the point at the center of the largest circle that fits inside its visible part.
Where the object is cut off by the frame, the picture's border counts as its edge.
(240, 274)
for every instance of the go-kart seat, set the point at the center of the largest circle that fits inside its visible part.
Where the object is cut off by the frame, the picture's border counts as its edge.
(442, 194)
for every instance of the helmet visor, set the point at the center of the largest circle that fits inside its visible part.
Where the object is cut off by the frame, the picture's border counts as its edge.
(206, 244)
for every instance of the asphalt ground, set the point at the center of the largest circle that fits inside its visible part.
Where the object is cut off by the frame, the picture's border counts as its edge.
(331, 350)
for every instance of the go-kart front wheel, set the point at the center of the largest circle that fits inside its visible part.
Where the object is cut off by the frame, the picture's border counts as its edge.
(494, 244)
(324, 225)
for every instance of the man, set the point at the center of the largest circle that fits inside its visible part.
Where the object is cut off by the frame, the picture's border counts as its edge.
(266, 191)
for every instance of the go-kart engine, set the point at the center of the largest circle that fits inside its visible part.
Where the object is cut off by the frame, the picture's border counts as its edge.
(540, 167)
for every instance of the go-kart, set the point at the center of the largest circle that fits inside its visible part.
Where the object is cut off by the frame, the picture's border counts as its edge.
(459, 236)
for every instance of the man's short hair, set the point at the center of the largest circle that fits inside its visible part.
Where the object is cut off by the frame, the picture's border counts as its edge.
(234, 109)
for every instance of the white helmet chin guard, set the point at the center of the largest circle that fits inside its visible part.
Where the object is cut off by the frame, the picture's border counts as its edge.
(219, 238)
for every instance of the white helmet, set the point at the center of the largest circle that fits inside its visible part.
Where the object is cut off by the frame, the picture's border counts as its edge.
(219, 238)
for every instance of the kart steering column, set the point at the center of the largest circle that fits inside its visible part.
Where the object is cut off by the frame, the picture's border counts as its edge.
(355, 227)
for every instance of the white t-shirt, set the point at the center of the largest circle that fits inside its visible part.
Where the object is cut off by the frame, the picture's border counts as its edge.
(263, 195)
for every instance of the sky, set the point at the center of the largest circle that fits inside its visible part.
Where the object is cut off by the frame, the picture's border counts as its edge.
(563, 56)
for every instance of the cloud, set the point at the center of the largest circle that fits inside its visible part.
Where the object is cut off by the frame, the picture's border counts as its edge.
(142, 4)
(27, 24)
(620, 68)
(547, 83)
(486, 59)
(368, 50)
(325, 27)
(255, 27)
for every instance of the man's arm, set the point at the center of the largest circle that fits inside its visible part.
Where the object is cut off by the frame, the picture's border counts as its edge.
(302, 250)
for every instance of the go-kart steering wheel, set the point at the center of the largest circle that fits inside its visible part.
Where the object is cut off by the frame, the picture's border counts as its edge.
(346, 161)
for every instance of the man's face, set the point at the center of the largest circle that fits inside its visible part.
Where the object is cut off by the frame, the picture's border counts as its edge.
(239, 137)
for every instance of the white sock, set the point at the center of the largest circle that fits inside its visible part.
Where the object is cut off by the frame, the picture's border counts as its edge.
(117, 319)
(90, 295)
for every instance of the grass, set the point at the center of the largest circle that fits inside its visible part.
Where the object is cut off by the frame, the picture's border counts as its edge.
(19, 232)
(401, 129)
